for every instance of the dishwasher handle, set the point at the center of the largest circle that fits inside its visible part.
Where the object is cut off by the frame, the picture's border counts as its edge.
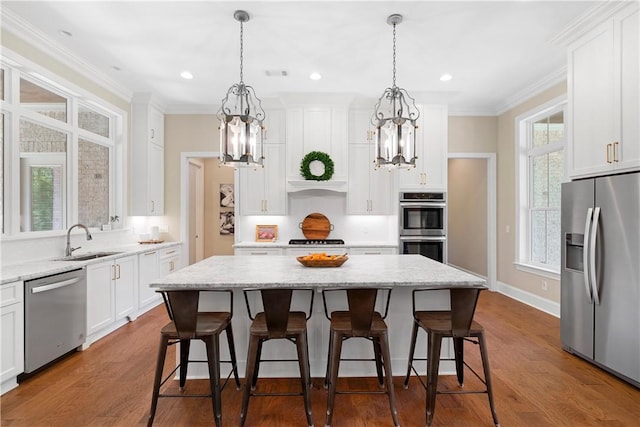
(56, 285)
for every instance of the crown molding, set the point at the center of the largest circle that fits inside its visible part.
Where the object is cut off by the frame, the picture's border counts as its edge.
(37, 39)
(593, 17)
(533, 89)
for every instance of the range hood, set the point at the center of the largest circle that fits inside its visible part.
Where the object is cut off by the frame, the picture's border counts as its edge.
(295, 185)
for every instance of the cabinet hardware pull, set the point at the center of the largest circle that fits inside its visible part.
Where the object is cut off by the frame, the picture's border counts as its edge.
(153, 133)
(608, 153)
(153, 206)
(615, 151)
(113, 272)
(118, 272)
(150, 253)
(170, 265)
(170, 252)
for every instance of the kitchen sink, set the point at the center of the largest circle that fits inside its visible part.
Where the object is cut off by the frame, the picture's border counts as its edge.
(85, 257)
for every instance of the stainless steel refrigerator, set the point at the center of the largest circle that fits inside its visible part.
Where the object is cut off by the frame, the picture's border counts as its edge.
(600, 273)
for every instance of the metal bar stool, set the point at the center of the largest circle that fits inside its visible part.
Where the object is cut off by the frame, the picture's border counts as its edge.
(276, 321)
(459, 325)
(361, 320)
(187, 324)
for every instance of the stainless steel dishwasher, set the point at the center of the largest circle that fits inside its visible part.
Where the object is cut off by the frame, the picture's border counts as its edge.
(55, 317)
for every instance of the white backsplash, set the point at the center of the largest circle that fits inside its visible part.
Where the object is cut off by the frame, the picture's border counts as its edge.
(350, 228)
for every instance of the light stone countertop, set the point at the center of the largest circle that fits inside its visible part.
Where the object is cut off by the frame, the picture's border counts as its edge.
(219, 272)
(285, 244)
(34, 269)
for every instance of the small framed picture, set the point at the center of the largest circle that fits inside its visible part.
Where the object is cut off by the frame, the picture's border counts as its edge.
(227, 223)
(266, 233)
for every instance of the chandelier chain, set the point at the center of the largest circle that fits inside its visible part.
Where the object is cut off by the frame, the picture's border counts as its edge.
(241, 52)
(394, 55)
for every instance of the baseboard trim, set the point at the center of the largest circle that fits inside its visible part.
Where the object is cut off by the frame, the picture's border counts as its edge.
(535, 301)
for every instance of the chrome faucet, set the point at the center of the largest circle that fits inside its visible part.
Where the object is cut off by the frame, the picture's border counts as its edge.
(69, 250)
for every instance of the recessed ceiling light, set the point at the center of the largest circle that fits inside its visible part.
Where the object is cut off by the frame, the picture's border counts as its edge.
(186, 75)
(65, 33)
(315, 76)
(445, 77)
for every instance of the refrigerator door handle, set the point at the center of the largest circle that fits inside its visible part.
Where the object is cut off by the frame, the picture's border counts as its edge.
(585, 256)
(592, 255)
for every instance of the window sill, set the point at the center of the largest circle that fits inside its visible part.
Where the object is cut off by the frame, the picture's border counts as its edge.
(538, 270)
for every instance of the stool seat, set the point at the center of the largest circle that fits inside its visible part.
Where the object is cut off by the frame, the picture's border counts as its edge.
(440, 322)
(296, 323)
(341, 322)
(207, 323)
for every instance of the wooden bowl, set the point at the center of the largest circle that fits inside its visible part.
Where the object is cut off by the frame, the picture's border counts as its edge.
(336, 262)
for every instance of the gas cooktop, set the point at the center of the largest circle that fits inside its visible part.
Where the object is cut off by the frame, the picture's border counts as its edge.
(316, 242)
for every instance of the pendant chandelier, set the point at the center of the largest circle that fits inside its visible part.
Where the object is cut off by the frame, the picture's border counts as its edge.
(241, 116)
(395, 118)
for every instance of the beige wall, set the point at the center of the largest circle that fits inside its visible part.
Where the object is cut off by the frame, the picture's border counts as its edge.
(183, 133)
(467, 215)
(214, 242)
(477, 134)
(507, 272)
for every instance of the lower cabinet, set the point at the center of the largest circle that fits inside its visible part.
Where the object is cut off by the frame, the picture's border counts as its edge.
(148, 271)
(112, 295)
(12, 337)
(170, 261)
(373, 250)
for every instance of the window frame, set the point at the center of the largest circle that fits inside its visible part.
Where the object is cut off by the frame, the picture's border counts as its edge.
(16, 68)
(525, 153)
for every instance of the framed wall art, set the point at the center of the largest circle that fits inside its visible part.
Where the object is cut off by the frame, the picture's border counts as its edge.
(266, 233)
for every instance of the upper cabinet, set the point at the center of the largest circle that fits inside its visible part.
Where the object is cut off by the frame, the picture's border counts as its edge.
(370, 191)
(317, 128)
(261, 189)
(147, 158)
(430, 172)
(603, 92)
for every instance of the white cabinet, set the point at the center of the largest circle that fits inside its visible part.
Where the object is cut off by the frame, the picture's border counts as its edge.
(258, 251)
(262, 189)
(310, 249)
(148, 271)
(430, 172)
(147, 158)
(275, 127)
(603, 94)
(317, 128)
(372, 250)
(170, 260)
(12, 323)
(370, 191)
(111, 294)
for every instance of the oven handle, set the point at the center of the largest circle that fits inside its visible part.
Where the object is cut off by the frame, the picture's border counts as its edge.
(423, 239)
(56, 285)
(423, 205)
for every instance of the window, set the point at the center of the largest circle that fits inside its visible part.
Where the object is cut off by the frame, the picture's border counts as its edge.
(541, 139)
(64, 149)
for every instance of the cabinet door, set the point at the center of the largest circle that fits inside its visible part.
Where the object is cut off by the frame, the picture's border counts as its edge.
(591, 100)
(125, 283)
(435, 147)
(382, 195)
(155, 181)
(148, 271)
(274, 179)
(12, 333)
(258, 251)
(360, 126)
(100, 308)
(628, 155)
(251, 188)
(373, 250)
(156, 127)
(275, 129)
(360, 166)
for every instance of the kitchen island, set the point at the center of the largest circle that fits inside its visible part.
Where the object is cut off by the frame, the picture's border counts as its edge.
(402, 272)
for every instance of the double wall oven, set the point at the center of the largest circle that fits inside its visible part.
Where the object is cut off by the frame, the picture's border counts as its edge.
(423, 224)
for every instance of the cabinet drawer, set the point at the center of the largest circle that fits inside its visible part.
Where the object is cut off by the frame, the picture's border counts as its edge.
(11, 293)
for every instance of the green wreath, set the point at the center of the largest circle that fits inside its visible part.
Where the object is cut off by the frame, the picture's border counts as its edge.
(321, 157)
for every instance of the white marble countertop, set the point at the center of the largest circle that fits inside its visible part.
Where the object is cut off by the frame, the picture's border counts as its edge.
(34, 269)
(285, 271)
(285, 244)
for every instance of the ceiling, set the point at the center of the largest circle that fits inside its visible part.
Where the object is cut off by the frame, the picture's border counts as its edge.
(495, 50)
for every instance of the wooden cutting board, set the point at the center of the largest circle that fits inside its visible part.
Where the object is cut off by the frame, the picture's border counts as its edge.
(316, 226)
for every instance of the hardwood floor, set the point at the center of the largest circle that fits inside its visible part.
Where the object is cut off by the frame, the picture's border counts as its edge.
(535, 384)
